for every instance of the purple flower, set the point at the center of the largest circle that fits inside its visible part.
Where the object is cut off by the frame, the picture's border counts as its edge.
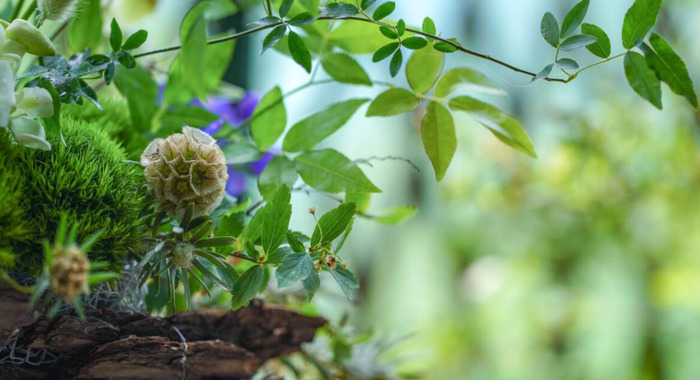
(232, 113)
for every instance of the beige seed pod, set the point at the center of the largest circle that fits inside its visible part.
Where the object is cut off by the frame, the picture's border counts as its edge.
(69, 272)
(185, 168)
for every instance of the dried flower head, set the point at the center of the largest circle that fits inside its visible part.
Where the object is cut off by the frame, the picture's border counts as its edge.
(69, 272)
(185, 168)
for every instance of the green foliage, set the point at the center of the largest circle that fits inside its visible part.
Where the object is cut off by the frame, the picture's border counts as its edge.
(639, 20)
(269, 119)
(89, 181)
(439, 137)
(642, 78)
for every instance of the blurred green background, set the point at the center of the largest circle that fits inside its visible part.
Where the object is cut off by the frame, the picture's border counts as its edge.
(581, 264)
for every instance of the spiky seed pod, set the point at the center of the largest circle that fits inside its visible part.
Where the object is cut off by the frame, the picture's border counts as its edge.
(69, 272)
(57, 10)
(185, 168)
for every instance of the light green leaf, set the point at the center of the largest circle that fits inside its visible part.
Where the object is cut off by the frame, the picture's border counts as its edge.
(361, 200)
(279, 171)
(85, 30)
(577, 42)
(549, 28)
(567, 64)
(642, 78)
(141, 93)
(345, 69)
(504, 127)
(466, 80)
(328, 170)
(429, 26)
(240, 153)
(423, 69)
(384, 10)
(357, 37)
(574, 18)
(186, 115)
(439, 137)
(309, 132)
(295, 267)
(670, 68)
(602, 46)
(269, 119)
(397, 215)
(346, 280)
(333, 223)
(193, 35)
(247, 286)
(393, 102)
(639, 20)
(231, 224)
(275, 222)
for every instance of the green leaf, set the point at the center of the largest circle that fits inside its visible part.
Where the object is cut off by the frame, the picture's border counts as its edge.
(276, 216)
(295, 267)
(126, 60)
(549, 27)
(361, 200)
(574, 18)
(388, 32)
(312, 283)
(384, 10)
(414, 43)
(240, 153)
(577, 42)
(219, 241)
(247, 286)
(397, 215)
(602, 46)
(98, 278)
(115, 36)
(278, 172)
(302, 19)
(385, 51)
(193, 34)
(273, 37)
(345, 69)
(543, 74)
(135, 40)
(439, 137)
(269, 20)
(393, 102)
(85, 30)
(309, 132)
(231, 224)
(276, 257)
(339, 10)
(300, 53)
(444, 47)
(670, 68)
(504, 127)
(642, 78)
(346, 280)
(639, 20)
(464, 79)
(330, 171)
(285, 7)
(228, 275)
(269, 119)
(53, 123)
(396, 63)
(566, 64)
(357, 37)
(423, 69)
(295, 244)
(401, 27)
(429, 26)
(333, 223)
(186, 115)
(141, 93)
(367, 3)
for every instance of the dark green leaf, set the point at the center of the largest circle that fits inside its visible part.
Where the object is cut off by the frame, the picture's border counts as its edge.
(670, 68)
(330, 171)
(109, 73)
(247, 286)
(269, 119)
(385, 51)
(574, 18)
(544, 73)
(275, 223)
(333, 223)
(602, 46)
(269, 20)
(642, 78)
(504, 127)
(439, 137)
(345, 69)
(396, 63)
(339, 10)
(115, 36)
(228, 275)
(388, 32)
(577, 42)
(549, 27)
(639, 20)
(423, 69)
(312, 283)
(273, 37)
(444, 47)
(279, 171)
(346, 280)
(414, 42)
(401, 27)
(384, 10)
(300, 53)
(309, 132)
(429, 26)
(127, 60)
(295, 267)
(95, 60)
(393, 102)
(285, 7)
(231, 224)
(295, 244)
(276, 257)
(464, 79)
(367, 3)
(302, 19)
(567, 64)
(135, 40)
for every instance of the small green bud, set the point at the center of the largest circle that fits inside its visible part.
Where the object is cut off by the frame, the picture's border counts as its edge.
(183, 255)
(32, 38)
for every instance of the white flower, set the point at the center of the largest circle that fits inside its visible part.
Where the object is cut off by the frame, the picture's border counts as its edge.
(34, 102)
(29, 133)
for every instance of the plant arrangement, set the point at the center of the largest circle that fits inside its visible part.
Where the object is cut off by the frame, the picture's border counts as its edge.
(144, 175)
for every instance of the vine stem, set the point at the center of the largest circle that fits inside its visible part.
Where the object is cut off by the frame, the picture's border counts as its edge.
(361, 19)
(598, 63)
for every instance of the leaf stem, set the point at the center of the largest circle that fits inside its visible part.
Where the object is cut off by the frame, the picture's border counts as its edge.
(597, 63)
(28, 13)
(16, 286)
(18, 8)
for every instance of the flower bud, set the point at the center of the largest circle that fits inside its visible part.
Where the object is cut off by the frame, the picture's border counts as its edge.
(57, 10)
(32, 38)
(185, 168)
(183, 255)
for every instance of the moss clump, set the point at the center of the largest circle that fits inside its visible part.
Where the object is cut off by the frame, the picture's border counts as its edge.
(89, 180)
(14, 227)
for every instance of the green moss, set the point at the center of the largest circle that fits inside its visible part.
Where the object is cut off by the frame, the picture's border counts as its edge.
(90, 181)
(14, 227)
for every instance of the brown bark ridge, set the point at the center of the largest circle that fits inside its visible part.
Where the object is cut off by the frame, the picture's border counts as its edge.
(119, 345)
